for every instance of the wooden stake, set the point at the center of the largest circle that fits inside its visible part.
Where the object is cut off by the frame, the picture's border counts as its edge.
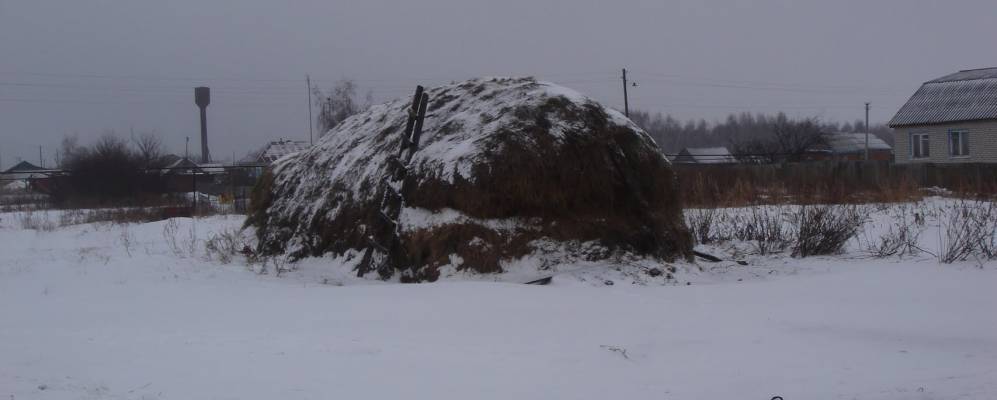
(412, 115)
(414, 146)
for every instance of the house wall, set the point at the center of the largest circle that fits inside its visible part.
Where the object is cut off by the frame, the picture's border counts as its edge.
(982, 142)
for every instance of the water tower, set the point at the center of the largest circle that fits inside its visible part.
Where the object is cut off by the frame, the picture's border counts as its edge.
(202, 97)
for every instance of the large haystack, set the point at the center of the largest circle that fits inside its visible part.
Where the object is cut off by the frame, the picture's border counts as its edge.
(506, 168)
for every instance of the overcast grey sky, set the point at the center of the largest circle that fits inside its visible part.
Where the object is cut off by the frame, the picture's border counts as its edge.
(87, 66)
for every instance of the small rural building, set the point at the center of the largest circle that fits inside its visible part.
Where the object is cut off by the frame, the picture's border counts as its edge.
(952, 119)
(181, 174)
(704, 155)
(275, 150)
(25, 175)
(848, 146)
(272, 151)
(181, 166)
(25, 170)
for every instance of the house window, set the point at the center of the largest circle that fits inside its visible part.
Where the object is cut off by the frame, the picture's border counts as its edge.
(959, 143)
(920, 145)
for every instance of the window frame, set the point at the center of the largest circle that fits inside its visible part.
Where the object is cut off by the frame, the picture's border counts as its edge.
(963, 136)
(923, 140)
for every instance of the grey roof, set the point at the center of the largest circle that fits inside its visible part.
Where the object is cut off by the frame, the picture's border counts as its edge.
(181, 166)
(704, 155)
(968, 75)
(969, 95)
(275, 150)
(187, 166)
(24, 166)
(847, 142)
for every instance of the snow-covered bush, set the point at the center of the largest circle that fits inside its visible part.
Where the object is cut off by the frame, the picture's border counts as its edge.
(764, 227)
(967, 229)
(768, 231)
(224, 245)
(903, 235)
(824, 229)
(701, 223)
(183, 242)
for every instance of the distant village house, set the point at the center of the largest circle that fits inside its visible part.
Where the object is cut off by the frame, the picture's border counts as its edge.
(704, 155)
(271, 152)
(847, 146)
(952, 119)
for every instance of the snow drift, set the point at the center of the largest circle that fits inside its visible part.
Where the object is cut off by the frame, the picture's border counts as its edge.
(507, 170)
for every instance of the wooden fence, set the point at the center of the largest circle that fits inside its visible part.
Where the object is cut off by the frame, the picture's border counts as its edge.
(828, 181)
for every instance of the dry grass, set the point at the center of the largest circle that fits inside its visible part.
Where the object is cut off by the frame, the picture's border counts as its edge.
(828, 183)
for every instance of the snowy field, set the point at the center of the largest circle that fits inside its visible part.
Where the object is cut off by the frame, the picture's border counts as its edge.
(141, 311)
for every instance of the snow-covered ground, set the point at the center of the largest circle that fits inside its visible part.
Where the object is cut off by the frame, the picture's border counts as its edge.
(105, 311)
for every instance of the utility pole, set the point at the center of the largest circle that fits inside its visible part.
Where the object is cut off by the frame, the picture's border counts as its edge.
(41, 161)
(626, 101)
(867, 131)
(186, 148)
(328, 110)
(308, 81)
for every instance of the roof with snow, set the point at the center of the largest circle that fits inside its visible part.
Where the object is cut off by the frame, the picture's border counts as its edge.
(180, 164)
(968, 95)
(277, 149)
(705, 155)
(186, 166)
(848, 142)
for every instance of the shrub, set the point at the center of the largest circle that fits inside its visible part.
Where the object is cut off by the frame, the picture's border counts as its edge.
(701, 222)
(108, 171)
(224, 245)
(768, 231)
(967, 228)
(763, 226)
(824, 229)
(181, 243)
(903, 236)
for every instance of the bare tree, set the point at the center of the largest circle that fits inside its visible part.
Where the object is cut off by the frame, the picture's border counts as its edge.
(339, 103)
(70, 148)
(795, 138)
(149, 150)
(788, 141)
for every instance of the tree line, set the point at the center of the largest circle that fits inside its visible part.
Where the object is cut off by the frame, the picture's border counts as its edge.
(746, 133)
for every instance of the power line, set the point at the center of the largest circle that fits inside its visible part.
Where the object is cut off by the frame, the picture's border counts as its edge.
(769, 83)
(771, 88)
(568, 77)
(103, 102)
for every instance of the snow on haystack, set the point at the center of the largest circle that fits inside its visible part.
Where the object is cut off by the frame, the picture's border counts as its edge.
(505, 167)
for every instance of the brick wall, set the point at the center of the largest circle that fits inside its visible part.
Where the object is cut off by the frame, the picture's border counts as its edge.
(982, 142)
